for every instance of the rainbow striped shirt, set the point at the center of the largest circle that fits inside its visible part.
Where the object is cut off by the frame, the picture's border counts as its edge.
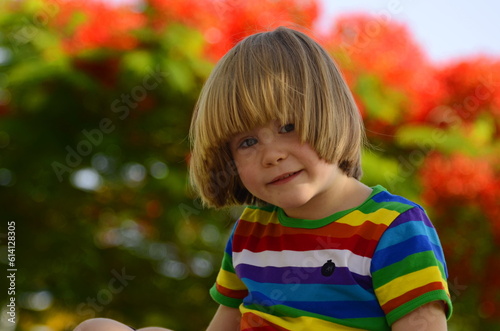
(363, 268)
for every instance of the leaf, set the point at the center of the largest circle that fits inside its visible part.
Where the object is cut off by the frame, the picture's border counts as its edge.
(381, 102)
(475, 142)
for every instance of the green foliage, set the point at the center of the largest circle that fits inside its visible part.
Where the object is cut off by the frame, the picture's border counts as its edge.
(119, 119)
(94, 153)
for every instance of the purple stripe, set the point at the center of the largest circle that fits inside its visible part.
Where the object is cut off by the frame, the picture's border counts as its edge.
(302, 275)
(414, 214)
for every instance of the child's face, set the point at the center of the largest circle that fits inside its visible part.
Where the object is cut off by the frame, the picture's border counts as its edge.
(277, 168)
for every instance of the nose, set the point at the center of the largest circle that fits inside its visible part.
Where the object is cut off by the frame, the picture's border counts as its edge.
(273, 150)
(272, 154)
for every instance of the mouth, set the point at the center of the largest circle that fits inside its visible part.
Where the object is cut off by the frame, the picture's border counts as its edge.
(281, 179)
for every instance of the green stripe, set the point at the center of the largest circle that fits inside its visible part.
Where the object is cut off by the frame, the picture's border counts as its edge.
(227, 264)
(372, 206)
(425, 259)
(223, 300)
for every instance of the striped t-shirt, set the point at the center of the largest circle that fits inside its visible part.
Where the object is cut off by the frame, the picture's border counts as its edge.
(363, 268)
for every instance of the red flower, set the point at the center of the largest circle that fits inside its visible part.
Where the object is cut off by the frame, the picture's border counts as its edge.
(224, 22)
(370, 46)
(90, 25)
(456, 179)
(470, 87)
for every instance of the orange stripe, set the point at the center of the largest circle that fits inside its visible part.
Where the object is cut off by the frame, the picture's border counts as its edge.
(410, 295)
(368, 230)
(236, 294)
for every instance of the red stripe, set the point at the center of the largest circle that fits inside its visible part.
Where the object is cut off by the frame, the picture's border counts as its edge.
(236, 294)
(410, 295)
(368, 230)
(355, 244)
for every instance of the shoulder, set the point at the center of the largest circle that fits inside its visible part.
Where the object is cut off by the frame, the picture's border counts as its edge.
(410, 232)
(408, 267)
(390, 201)
(402, 209)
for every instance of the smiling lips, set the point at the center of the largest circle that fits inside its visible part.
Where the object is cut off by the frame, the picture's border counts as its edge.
(285, 178)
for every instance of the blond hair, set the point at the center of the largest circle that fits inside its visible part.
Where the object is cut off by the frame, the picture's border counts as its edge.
(279, 75)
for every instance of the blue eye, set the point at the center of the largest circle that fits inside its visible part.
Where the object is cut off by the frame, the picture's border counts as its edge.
(248, 142)
(287, 128)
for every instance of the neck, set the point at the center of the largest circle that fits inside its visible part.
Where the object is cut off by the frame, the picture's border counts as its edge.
(348, 193)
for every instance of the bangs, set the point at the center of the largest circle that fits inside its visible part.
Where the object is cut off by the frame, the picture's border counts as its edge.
(284, 76)
(250, 88)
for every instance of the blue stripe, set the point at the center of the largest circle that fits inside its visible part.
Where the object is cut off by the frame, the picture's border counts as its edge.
(385, 196)
(342, 309)
(337, 309)
(302, 275)
(395, 253)
(403, 232)
(229, 245)
(310, 292)
(397, 239)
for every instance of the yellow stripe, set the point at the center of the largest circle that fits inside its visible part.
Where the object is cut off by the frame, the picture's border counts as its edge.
(230, 280)
(259, 216)
(381, 216)
(355, 218)
(303, 323)
(408, 282)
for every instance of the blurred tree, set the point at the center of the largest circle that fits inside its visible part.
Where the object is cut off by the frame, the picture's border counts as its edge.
(95, 105)
(434, 135)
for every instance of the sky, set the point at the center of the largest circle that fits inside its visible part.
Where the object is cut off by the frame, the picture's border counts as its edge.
(446, 29)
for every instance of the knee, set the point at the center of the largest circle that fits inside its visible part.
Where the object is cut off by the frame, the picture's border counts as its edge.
(101, 324)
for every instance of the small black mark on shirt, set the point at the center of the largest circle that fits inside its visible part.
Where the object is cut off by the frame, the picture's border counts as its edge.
(328, 268)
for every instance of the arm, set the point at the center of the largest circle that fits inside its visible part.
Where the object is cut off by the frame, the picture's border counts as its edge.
(225, 319)
(409, 273)
(429, 317)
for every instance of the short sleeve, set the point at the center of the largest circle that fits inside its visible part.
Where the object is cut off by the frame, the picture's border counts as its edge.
(228, 289)
(408, 266)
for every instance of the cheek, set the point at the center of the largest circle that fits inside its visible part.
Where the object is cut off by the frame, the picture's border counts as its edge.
(309, 158)
(245, 163)
(247, 176)
(244, 173)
